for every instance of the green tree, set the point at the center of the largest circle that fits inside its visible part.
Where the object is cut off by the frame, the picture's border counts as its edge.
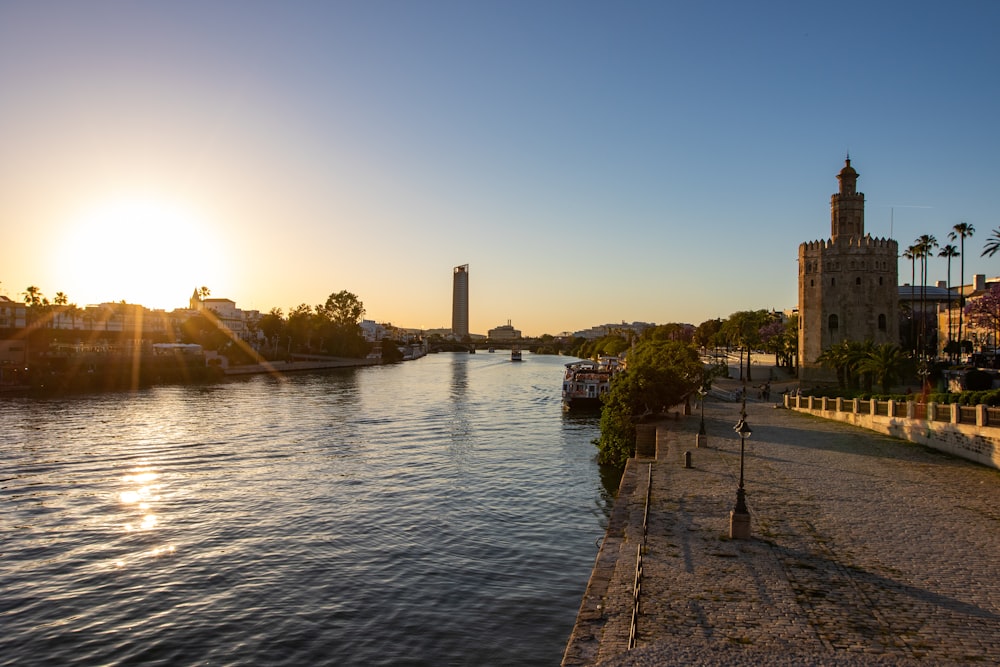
(300, 326)
(925, 245)
(885, 363)
(961, 231)
(911, 254)
(338, 321)
(992, 245)
(837, 357)
(706, 334)
(742, 329)
(948, 252)
(659, 374)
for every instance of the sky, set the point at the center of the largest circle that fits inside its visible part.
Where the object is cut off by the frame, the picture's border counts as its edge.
(592, 162)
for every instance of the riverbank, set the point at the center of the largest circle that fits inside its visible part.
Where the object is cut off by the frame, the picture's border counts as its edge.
(281, 367)
(865, 550)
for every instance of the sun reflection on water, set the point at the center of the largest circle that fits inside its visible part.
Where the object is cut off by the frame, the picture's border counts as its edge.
(138, 502)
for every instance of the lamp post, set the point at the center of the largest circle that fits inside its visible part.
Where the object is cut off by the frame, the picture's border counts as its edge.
(701, 440)
(739, 517)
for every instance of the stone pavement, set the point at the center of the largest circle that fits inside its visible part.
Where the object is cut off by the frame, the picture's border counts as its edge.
(865, 550)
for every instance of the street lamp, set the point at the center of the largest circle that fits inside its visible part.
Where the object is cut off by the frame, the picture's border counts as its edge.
(739, 517)
(700, 441)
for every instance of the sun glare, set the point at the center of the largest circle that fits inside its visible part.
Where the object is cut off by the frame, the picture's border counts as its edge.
(139, 250)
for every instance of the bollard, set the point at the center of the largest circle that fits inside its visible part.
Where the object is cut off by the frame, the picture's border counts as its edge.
(687, 459)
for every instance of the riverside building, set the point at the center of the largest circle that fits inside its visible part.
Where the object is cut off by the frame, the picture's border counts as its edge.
(847, 283)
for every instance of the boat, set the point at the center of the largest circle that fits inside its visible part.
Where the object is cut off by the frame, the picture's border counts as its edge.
(515, 353)
(585, 382)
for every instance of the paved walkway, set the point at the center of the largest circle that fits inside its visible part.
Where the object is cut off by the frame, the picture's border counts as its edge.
(865, 550)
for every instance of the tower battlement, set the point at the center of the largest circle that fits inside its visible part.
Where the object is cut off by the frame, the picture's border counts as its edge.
(865, 242)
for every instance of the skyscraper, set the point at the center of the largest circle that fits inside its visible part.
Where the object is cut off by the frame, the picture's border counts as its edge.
(460, 302)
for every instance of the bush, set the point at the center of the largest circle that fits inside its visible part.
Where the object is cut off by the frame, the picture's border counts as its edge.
(977, 380)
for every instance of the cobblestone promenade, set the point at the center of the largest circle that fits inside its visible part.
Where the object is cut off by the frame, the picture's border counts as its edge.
(865, 550)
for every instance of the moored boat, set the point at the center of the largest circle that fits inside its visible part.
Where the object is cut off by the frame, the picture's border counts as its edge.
(586, 381)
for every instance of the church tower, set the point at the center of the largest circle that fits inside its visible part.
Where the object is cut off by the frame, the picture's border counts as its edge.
(847, 283)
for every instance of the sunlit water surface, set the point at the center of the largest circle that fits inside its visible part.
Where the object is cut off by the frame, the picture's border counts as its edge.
(438, 512)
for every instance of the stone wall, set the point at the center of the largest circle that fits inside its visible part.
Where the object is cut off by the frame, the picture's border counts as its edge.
(937, 426)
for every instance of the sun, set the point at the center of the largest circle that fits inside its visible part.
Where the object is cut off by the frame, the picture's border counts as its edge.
(140, 250)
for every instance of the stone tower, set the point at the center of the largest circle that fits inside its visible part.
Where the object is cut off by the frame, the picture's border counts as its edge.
(847, 283)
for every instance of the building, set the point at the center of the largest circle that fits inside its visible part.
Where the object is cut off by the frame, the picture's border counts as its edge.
(224, 311)
(847, 283)
(460, 302)
(504, 332)
(977, 337)
(624, 329)
(13, 315)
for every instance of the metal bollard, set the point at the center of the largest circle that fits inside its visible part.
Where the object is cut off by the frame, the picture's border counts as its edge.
(687, 459)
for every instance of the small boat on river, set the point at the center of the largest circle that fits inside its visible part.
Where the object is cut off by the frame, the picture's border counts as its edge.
(586, 381)
(515, 353)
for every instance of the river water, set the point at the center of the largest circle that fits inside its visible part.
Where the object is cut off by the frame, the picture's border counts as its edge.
(442, 511)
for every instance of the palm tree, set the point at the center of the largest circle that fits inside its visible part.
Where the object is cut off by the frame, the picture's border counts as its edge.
(925, 244)
(911, 254)
(948, 252)
(839, 358)
(993, 245)
(885, 362)
(961, 231)
(32, 296)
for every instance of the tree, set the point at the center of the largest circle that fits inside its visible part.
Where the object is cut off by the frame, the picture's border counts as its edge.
(792, 339)
(344, 309)
(961, 231)
(272, 325)
(706, 333)
(300, 326)
(33, 296)
(992, 245)
(948, 252)
(837, 358)
(885, 363)
(984, 312)
(924, 245)
(911, 254)
(659, 374)
(743, 330)
(772, 338)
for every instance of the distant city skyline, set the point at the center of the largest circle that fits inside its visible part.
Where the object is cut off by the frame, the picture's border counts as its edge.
(593, 162)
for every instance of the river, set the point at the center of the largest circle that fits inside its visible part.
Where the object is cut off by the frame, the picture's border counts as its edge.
(442, 511)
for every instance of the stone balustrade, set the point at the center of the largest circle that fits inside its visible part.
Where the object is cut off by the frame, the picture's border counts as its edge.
(971, 432)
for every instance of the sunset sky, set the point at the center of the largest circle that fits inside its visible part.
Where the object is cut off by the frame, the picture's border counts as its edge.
(591, 161)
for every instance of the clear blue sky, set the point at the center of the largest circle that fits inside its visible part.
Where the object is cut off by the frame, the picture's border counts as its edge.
(591, 162)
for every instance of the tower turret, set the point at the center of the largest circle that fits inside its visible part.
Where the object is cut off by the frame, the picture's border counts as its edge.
(847, 207)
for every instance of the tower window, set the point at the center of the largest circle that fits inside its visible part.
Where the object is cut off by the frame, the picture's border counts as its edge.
(881, 322)
(857, 281)
(880, 280)
(833, 323)
(833, 282)
(812, 283)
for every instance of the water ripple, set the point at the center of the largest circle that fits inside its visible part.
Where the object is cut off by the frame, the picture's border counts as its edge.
(439, 512)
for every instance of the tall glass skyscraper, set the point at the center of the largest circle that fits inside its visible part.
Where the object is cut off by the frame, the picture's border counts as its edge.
(460, 302)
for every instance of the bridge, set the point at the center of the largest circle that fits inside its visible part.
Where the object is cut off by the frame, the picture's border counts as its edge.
(476, 346)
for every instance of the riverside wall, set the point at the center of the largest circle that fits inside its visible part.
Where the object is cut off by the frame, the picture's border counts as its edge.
(939, 426)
